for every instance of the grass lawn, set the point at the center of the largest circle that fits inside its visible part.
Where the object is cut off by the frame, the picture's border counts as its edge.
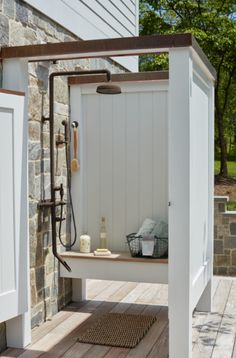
(231, 205)
(231, 168)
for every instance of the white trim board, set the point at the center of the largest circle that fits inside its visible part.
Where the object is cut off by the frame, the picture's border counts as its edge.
(116, 271)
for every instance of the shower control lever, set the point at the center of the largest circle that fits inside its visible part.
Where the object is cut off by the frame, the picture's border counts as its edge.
(44, 119)
(57, 188)
(58, 219)
(60, 203)
(59, 142)
(48, 204)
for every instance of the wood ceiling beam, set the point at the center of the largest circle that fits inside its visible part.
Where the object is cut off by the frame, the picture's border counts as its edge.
(120, 77)
(125, 46)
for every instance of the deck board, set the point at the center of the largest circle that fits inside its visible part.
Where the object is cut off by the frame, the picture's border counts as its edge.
(205, 344)
(227, 330)
(213, 333)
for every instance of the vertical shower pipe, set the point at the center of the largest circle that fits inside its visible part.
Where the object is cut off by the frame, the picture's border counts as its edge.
(53, 203)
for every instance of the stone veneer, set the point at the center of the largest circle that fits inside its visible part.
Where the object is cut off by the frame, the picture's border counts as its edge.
(20, 24)
(224, 238)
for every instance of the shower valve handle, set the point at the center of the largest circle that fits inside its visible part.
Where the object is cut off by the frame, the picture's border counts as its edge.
(57, 188)
(58, 219)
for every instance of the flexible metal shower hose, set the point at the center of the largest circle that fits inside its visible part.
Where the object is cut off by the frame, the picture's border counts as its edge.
(68, 246)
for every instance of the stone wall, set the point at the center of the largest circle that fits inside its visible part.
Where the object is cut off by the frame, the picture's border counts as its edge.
(20, 25)
(224, 238)
(3, 343)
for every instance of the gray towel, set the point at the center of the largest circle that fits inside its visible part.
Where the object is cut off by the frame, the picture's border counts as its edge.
(147, 227)
(160, 229)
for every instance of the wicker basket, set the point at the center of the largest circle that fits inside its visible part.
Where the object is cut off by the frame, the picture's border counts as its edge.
(135, 246)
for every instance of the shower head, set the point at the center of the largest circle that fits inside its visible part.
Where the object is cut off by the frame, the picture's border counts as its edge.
(108, 89)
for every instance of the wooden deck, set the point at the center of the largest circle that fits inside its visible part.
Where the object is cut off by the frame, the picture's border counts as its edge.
(213, 333)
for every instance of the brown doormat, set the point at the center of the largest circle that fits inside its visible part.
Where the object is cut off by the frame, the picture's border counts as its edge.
(117, 330)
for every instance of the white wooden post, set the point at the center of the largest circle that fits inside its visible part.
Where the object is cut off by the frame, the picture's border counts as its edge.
(205, 301)
(180, 315)
(15, 77)
(78, 289)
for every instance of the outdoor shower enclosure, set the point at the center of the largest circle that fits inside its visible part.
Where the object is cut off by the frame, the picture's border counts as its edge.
(168, 118)
(146, 153)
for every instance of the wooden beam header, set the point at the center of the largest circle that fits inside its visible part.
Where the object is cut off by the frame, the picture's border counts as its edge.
(125, 46)
(120, 77)
(14, 93)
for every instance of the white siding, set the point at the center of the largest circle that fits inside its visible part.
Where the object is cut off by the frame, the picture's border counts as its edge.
(124, 161)
(95, 19)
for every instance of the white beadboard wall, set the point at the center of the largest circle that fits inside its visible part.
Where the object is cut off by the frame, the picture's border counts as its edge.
(95, 19)
(123, 155)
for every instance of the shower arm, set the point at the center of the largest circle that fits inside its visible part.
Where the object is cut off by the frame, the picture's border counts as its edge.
(52, 204)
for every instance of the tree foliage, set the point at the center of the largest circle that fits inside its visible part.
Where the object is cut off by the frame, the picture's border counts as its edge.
(213, 23)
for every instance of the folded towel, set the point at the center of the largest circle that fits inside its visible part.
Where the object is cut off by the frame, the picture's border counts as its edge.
(147, 227)
(148, 243)
(160, 229)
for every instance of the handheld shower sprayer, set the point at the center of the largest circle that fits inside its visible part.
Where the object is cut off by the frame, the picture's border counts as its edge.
(66, 141)
(74, 162)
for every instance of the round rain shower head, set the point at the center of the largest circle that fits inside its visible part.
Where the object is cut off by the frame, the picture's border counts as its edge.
(108, 89)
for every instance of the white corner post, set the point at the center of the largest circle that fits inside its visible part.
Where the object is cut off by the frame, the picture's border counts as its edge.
(15, 78)
(78, 289)
(180, 312)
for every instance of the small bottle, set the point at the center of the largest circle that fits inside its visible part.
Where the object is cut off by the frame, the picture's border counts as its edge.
(103, 234)
(85, 243)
